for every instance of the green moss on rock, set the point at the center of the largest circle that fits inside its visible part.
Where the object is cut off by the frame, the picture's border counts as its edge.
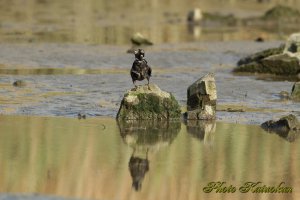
(260, 55)
(142, 103)
(281, 12)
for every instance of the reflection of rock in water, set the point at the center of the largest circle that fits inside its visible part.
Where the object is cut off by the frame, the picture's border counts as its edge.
(138, 167)
(148, 133)
(144, 135)
(201, 129)
(195, 30)
(287, 127)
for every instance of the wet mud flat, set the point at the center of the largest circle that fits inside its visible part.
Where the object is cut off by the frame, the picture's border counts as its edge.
(67, 79)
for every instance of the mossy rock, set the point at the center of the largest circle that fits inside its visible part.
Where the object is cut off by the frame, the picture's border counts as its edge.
(260, 55)
(270, 61)
(281, 12)
(142, 103)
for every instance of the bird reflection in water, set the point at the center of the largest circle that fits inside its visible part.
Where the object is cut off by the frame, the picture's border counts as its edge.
(138, 167)
(145, 136)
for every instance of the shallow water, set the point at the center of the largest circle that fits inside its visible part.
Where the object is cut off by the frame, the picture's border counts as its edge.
(64, 80)
(114, 22)
(72, 56)
(94, 159)
(97, 159)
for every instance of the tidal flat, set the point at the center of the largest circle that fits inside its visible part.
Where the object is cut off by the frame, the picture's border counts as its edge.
(61, 58)
(67, 79)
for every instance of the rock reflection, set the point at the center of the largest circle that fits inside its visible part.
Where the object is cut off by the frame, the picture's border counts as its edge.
(202, 129)
(144, 136)
(194, 30)
(287, 127)
(290, 136)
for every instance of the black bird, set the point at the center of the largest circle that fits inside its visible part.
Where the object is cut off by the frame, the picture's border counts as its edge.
(140, 69)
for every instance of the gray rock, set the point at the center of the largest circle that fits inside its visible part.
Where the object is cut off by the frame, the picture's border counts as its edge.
(295, 94)
(292, 46)
(201, 99)
(284, 60)
(138, 39)
(261, 55)
(287, 127)
(142, 103)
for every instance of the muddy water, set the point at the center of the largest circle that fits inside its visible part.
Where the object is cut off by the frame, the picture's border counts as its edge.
(98, 159)
(113, 22)
(67, 79)
(72, 56)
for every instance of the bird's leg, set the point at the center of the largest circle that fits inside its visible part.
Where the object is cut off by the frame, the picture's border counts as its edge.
(135, 86)
(148, 84)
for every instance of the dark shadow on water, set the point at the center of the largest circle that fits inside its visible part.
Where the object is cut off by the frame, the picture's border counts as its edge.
(144, 136)
(201, 129)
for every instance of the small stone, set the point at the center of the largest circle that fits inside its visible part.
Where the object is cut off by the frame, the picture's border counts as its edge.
(284, 95)
(295, 94)
(138, 39)
(19, 83)
(81, 116)
(259, 39)
(201, 99)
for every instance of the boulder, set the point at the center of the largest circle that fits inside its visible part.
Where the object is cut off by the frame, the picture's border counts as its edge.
(287, 127)
(201, 99)
(284, 60)
(281, 12)
(261, 55)
(138, 39)
(142, 103)
(295, 94)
